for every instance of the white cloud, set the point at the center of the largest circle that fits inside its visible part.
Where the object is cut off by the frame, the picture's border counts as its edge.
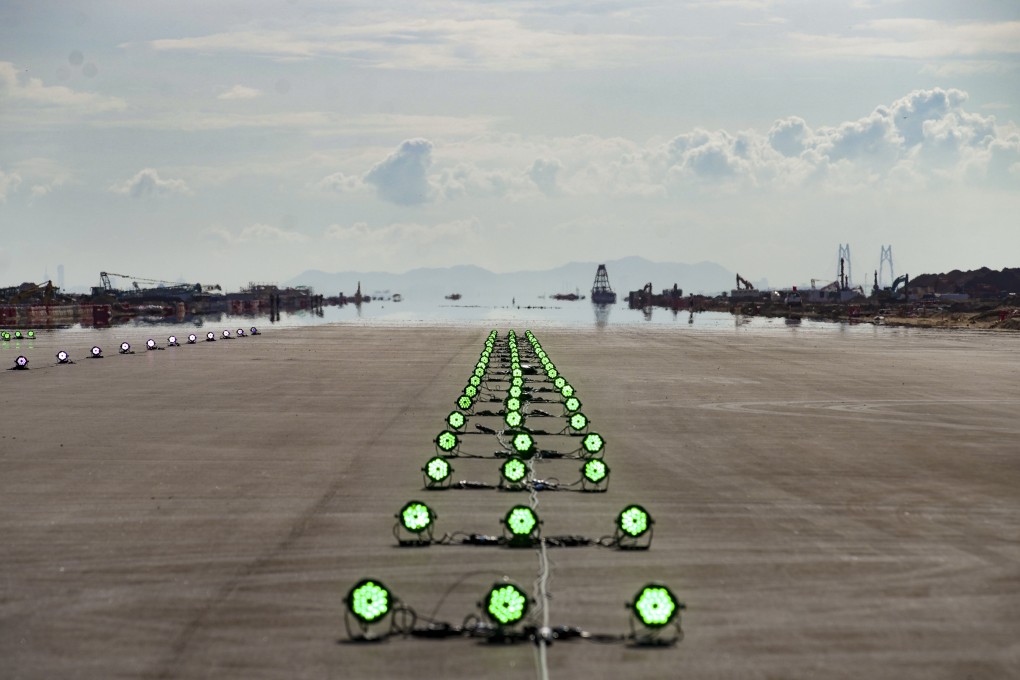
(915, 39)
(147, 183)
(21, 90)
(423, 42)
(258, 233)
(543, 173)
(9, 183)
(340, 183)
(240, 92)
(402, 177)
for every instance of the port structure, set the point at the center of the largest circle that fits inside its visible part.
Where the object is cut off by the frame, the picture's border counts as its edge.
(601, 292)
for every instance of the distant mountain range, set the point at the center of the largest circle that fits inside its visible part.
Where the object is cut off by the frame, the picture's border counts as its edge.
(480, 285)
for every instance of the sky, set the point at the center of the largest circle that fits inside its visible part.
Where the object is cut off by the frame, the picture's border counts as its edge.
(248, 141)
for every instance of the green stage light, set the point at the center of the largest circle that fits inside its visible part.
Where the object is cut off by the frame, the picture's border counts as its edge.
(514, 470)
(593, 442)
(523, 443)
(475, 381)
(471, 391)
(437, 472)
(517, 382)
(567, 391)
(505, 604)
(655, 606)
(595, 471)
(31, 335)
(368, 601)
(572, 404)
(416, 517)
(515, 391)
(512, 404)
(521, 521)
(455, 420)
(17, 335)
(517, 373)
(447, 441)
(416, 520)
(578, 422)
(551, 372)
(513, 419)
(634, 521)
(464, 402)
(479, 372)
(560, 382)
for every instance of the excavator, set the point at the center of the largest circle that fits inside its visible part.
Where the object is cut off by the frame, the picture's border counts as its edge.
(31, 293)
(744, 284)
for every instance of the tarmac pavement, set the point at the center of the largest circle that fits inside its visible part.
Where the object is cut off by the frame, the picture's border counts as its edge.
(829, 504)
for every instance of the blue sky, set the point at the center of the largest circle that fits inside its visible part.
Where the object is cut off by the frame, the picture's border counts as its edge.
(225, 142)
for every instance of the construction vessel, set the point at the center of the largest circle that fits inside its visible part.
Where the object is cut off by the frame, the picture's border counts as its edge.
(601, 292)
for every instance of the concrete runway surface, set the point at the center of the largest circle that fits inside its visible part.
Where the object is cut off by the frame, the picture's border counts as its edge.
(828, 505)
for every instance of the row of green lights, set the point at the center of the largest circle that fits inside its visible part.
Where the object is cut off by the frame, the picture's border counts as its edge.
(520, 520)
(6, 335)
(655, 605)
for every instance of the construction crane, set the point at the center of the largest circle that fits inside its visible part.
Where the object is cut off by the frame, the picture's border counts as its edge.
(104, 278)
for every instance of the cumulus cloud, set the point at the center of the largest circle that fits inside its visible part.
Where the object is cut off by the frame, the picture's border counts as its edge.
(148, 183)
(925, 136)
(402, 177)
(8, 184)
(258, 233)
(240, 92)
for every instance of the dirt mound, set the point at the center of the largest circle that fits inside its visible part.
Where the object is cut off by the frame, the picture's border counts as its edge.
(978, 283)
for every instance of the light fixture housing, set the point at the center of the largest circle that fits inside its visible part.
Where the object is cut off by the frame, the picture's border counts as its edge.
(594, 475)
(368, 603)
(437, 473)
(30, 335)
(240, 332)
(593, 444)
(572, 404)
(634, 528)
(192, 339)
(464, 402)
(63, 357)
(578, 423)
(416, 520)
(226, 335)
(513, 474)
(21, 363)
(522, 526)
(172, 341)
(125, 348)
(505, 604)
(255, 331)
(447, 441)
(96, 353)
(150, 344)
(210, 337)
(656, 609)
(513, 419)
(523, 444)
(456, 420)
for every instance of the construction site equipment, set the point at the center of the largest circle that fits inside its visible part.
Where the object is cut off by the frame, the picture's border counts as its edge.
(601, 292)
(744, 284)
